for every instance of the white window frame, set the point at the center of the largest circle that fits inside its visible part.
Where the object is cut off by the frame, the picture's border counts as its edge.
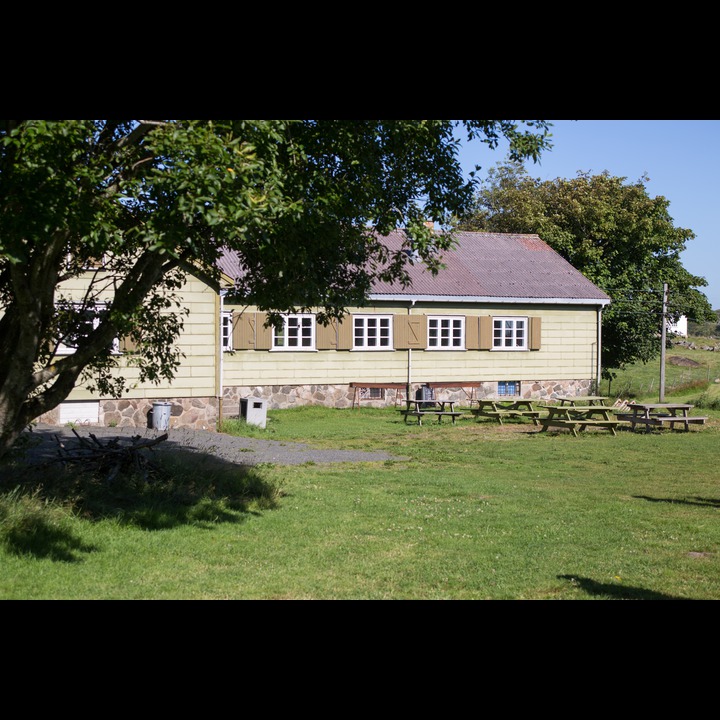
(226, 330)
(510, 323)
(97, 310)
(445, 338)
(369, 328)
(286, 340)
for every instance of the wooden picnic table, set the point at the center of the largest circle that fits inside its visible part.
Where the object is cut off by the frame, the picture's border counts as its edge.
(576, 417)
(498, 409)
(652, 415)
(433, 408)
(582, 400)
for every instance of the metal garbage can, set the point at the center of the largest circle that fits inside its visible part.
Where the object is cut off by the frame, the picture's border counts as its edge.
(161, 415)
(254, 411)
(426, 394)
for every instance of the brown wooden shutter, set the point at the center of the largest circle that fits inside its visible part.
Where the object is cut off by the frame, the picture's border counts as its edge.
(472, 333)
(263, 335)
(127, 344)
(410, 332)
(345, 333)
(535, 332)
(243, 331)
(486, 333)
(326, 336)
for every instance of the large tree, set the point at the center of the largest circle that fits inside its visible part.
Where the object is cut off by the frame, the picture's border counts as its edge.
(616, 234)
(133, 204)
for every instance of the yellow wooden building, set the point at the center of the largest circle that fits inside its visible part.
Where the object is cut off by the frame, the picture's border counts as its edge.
(507, 316)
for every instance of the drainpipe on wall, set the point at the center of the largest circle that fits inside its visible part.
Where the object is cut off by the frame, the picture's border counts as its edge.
(599, 350)
(221, 367)
(409, 368)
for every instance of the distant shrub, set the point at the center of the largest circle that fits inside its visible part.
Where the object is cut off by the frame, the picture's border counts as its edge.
(710, 400)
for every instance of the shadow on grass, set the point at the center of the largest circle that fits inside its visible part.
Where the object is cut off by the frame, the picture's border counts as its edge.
(171, 487)
(698, 501)
(41, 538)
(615, 592)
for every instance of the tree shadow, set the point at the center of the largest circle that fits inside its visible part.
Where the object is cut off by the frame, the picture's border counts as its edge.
(43, 540)
(176, 485)
(697, 501)
(616, 592)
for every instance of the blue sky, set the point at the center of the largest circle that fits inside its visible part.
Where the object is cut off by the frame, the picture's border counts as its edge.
(680, 157)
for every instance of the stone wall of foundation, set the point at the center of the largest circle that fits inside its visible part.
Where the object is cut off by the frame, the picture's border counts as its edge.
(201, 413)
(197, 413)
(280, 397)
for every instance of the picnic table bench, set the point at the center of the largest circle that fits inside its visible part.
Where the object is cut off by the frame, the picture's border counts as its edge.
(498, 409)
(576, 417)
(433, 408)
(652, 415)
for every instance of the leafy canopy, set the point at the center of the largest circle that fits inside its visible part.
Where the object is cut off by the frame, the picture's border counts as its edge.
(618, 236)
(131, 205)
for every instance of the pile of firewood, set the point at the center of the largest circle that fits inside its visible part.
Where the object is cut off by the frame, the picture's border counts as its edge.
(111, 458)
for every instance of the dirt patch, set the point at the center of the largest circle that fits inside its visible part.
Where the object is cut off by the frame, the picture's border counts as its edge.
(685, 362)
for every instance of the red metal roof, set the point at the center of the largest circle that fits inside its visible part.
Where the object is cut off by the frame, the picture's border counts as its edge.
(495, 265)
(484, 265)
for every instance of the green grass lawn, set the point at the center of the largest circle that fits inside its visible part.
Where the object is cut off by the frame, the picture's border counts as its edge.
(475, 511)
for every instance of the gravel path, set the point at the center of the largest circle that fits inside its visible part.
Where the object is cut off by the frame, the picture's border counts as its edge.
(240, 450)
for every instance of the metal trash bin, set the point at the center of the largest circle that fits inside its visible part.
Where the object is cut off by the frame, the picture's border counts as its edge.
(254, 411)
(161, 416)
(426, 394)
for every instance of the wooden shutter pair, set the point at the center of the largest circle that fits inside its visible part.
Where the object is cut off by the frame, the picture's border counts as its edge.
(249, 331)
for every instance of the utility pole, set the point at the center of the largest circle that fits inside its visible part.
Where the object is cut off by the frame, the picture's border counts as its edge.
(663, 336)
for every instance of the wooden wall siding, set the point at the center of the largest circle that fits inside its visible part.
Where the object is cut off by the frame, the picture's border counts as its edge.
(196, 376)
(567, 348)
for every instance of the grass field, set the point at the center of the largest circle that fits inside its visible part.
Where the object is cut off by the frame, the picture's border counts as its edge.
(472, 511)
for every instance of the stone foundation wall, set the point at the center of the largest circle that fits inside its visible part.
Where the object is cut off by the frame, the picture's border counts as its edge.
(195, 413)
(280, 397)
(202, 413)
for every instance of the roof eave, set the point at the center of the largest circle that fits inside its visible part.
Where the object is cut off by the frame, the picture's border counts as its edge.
(486, 299)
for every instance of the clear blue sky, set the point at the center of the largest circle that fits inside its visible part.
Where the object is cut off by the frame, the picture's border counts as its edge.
(680, 157)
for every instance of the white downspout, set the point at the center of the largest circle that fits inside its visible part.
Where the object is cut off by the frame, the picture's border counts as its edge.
(599, 349)
(409, 368)
(221, 364)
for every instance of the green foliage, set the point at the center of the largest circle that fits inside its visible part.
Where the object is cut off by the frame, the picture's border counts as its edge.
(618, 236)
(710, 399)
(708, 329)
(131, 205)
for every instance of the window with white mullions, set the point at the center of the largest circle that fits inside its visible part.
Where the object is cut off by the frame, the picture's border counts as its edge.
(297, 333)
(510, 333)
(372, 332)
(446, 333)
(227, 330)
(87, 319)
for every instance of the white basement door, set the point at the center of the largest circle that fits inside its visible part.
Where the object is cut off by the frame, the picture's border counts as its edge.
(79, 412)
